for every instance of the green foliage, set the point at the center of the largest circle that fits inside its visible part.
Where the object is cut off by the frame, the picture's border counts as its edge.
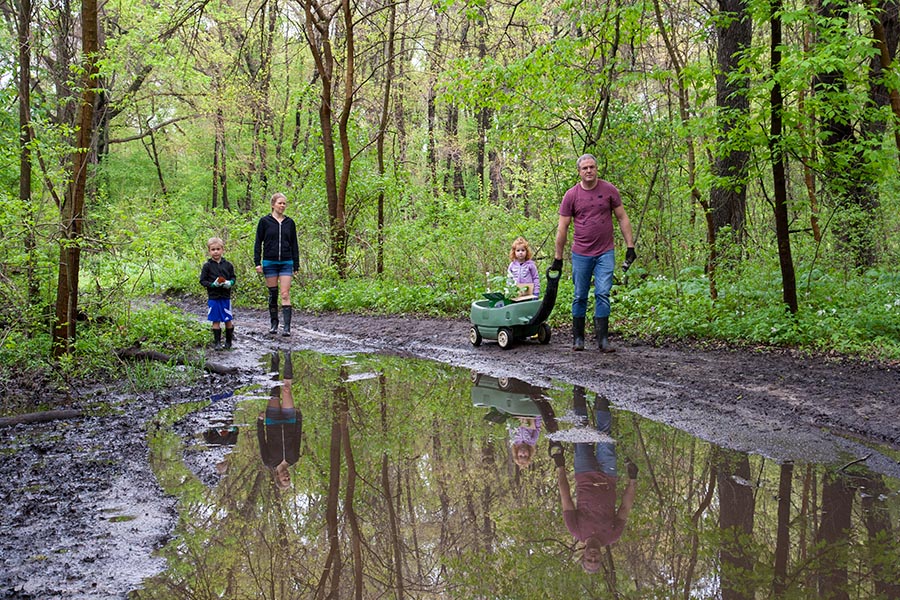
(164, 328)
(379, 296)
(855, 317)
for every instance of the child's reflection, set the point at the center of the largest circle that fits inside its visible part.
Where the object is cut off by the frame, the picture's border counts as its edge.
(524, 439)
(594, 520)
(279, 427)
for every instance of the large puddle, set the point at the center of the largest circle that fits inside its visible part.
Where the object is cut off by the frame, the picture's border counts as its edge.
(406, 478)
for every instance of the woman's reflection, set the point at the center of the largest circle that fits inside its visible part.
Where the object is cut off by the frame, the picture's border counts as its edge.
(594, 520)
(279, 427)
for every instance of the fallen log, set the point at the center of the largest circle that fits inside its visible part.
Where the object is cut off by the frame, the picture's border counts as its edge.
(40, 417)
(138, 354)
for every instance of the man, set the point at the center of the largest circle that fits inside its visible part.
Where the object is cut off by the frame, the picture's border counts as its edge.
(594, 520)
(590, 204)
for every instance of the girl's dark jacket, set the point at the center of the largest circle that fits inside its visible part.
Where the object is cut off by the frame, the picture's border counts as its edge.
(276, 241)
(211, 271)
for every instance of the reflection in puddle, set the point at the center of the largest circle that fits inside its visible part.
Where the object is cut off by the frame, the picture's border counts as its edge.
(411, 478)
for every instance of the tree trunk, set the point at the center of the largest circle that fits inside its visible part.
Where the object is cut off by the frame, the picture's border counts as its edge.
(728, 195)
(885, 32)
(779, 181)
(833, 538)
(684, 117)
(736, 506)
(783, 530)
(453, 175)
(382, 128)
(72, 222)
(26, 135)
(318, 34)
(882, 537)
(431, 102)
(848, 175)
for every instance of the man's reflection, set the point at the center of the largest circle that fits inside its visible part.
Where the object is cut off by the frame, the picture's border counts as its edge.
(594, 520)
(279, 427)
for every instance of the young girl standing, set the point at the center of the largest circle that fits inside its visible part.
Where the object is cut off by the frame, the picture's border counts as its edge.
(522, 271)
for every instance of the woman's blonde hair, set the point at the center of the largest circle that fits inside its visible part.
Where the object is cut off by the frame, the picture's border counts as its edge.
(275, 197)
(520, 241)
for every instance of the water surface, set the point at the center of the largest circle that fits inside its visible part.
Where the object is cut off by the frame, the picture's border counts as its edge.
(404, 484)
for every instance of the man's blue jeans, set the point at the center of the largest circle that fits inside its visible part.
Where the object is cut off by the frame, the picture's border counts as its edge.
(600, 268)
(599, 456)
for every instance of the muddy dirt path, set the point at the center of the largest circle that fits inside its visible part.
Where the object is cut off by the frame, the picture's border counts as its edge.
(80, 512)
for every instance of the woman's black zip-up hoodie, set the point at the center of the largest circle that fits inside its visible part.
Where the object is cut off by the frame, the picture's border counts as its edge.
(276, 241)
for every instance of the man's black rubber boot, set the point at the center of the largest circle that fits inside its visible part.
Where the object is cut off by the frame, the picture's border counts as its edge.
(577, 333)
(217, 339)
(579, 406)
(601, 328)
(286, 315)
(229, 337)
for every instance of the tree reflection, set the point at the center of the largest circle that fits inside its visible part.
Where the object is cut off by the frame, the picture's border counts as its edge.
(406, 488)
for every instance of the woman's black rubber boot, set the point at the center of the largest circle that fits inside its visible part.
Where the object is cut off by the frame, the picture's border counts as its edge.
(286, 315)
(273, 310)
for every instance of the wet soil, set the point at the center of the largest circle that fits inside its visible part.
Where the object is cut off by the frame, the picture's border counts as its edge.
(81, 513)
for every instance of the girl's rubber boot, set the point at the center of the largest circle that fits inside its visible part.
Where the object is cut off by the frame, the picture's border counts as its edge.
(577, 333)
(601, 328)
(229, 337)
(217, 339)
(286, 315)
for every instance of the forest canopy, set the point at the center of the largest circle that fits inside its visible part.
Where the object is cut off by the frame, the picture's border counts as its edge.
(754, 143)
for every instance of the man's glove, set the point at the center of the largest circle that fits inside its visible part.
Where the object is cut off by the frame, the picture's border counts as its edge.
(556, 453)
(215, 284)
(630, 257)
(228, 284)
(557, 265)
(631, 468)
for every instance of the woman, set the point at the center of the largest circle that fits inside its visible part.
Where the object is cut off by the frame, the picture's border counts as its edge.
(276, 255)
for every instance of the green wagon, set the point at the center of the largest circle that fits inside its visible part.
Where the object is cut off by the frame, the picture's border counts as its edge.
(513, 322)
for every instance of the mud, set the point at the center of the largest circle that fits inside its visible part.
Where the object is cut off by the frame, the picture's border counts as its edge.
(81, 513)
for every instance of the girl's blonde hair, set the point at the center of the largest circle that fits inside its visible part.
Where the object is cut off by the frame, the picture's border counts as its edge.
(520, 241)
(522, 461)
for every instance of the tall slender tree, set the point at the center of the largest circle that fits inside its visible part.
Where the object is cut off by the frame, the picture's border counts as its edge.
(72, 224)
(779, 179)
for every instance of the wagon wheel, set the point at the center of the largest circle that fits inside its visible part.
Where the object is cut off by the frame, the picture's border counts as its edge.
(503, 383)
(543, 333)
(504, 338)
(475, 336)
